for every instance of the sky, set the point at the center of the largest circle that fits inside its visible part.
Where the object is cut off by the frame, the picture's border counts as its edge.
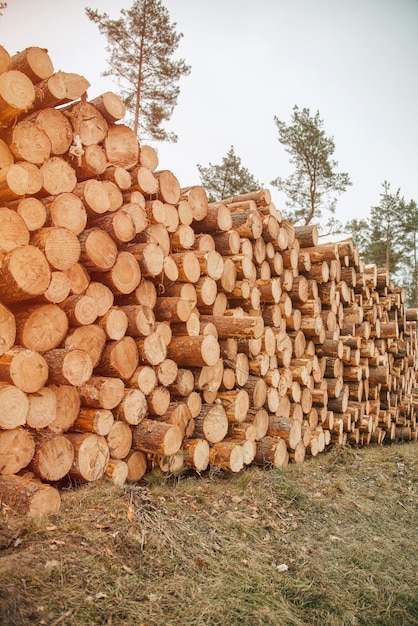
(354, 61)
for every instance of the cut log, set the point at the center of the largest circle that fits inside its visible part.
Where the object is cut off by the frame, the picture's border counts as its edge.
(57, 128)
(234, 326)
(137, 465)
(124, 275)
(17, 95)
(41, 328)
(103, 296)
(119, 439)
(227, 455)
(156, 437)
(98, 421)
(196, 454)
(211, 423)
(57, 176)
(116, 471)
(13, 230)
(98, 250)
(272, 451)
(34, 62)
(81, 310)
(114, 323)
(60, 88)
(17, 447)
(68, 366)
(145, 378)
(53, 457)
(198, 201)
(7, 329)
(29, 497)
(91, 455)
(60, 246)
(19, 180)
(119, 359)
(152, 349)
(101, 392)
(14, 406)
(132, 408)
(67, 408)
(121, 146)
(194, 351)
(28, 142)
(90, 338)
(24, 274)
(26, 369)
(42, 408)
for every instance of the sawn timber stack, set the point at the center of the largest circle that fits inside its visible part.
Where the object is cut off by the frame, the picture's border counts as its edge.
(142, 326)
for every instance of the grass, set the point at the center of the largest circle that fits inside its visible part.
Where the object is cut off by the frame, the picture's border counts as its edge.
(329, 542)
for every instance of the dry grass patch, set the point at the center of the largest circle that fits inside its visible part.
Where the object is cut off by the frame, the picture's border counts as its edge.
(330, 542)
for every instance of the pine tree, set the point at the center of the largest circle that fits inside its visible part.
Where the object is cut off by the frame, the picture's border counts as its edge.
(314, 184)
(228, 179)
(141, 44)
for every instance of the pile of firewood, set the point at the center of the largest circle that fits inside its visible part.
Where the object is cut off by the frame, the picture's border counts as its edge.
(142, 327)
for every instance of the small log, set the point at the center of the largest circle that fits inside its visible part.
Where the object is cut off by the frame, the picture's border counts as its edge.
(53, 457)
(90, 338)
(272, 451)
(114, 323)
(152, 350)
(196, 454)
(156, 437)
(26, 369)
(67, 408)
(119, 439)
(60, 246)
(34, 62)
(211, 423)
(24, 274)
(119, 359)
(28, 497)
(68, 365)
(91, 455)
(227, 455)
(17, 95)
(132, 408)
(98, 250)
(117, 471)
(121, 146)
(17, 447)
(57, 176)
(42, 408)
(14, 406)
(98, 421)
(136, 461)
(100, 392)
(194, 351)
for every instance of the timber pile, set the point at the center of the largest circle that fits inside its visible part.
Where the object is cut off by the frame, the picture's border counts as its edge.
(143, 327)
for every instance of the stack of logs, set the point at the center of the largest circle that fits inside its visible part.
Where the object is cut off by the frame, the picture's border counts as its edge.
(143, 327)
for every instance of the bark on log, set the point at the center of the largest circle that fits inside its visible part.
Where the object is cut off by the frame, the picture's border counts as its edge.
(156, 437)
(26, 369)
(29, 497)
(17, 95)
(91, 455)
(53, 457)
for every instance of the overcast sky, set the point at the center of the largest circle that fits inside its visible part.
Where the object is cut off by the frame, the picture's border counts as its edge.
(356, 61)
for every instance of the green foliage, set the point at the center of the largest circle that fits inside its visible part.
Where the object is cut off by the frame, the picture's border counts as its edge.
(315, 183)
(141, 44)
(228, 179)
(390, 239)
